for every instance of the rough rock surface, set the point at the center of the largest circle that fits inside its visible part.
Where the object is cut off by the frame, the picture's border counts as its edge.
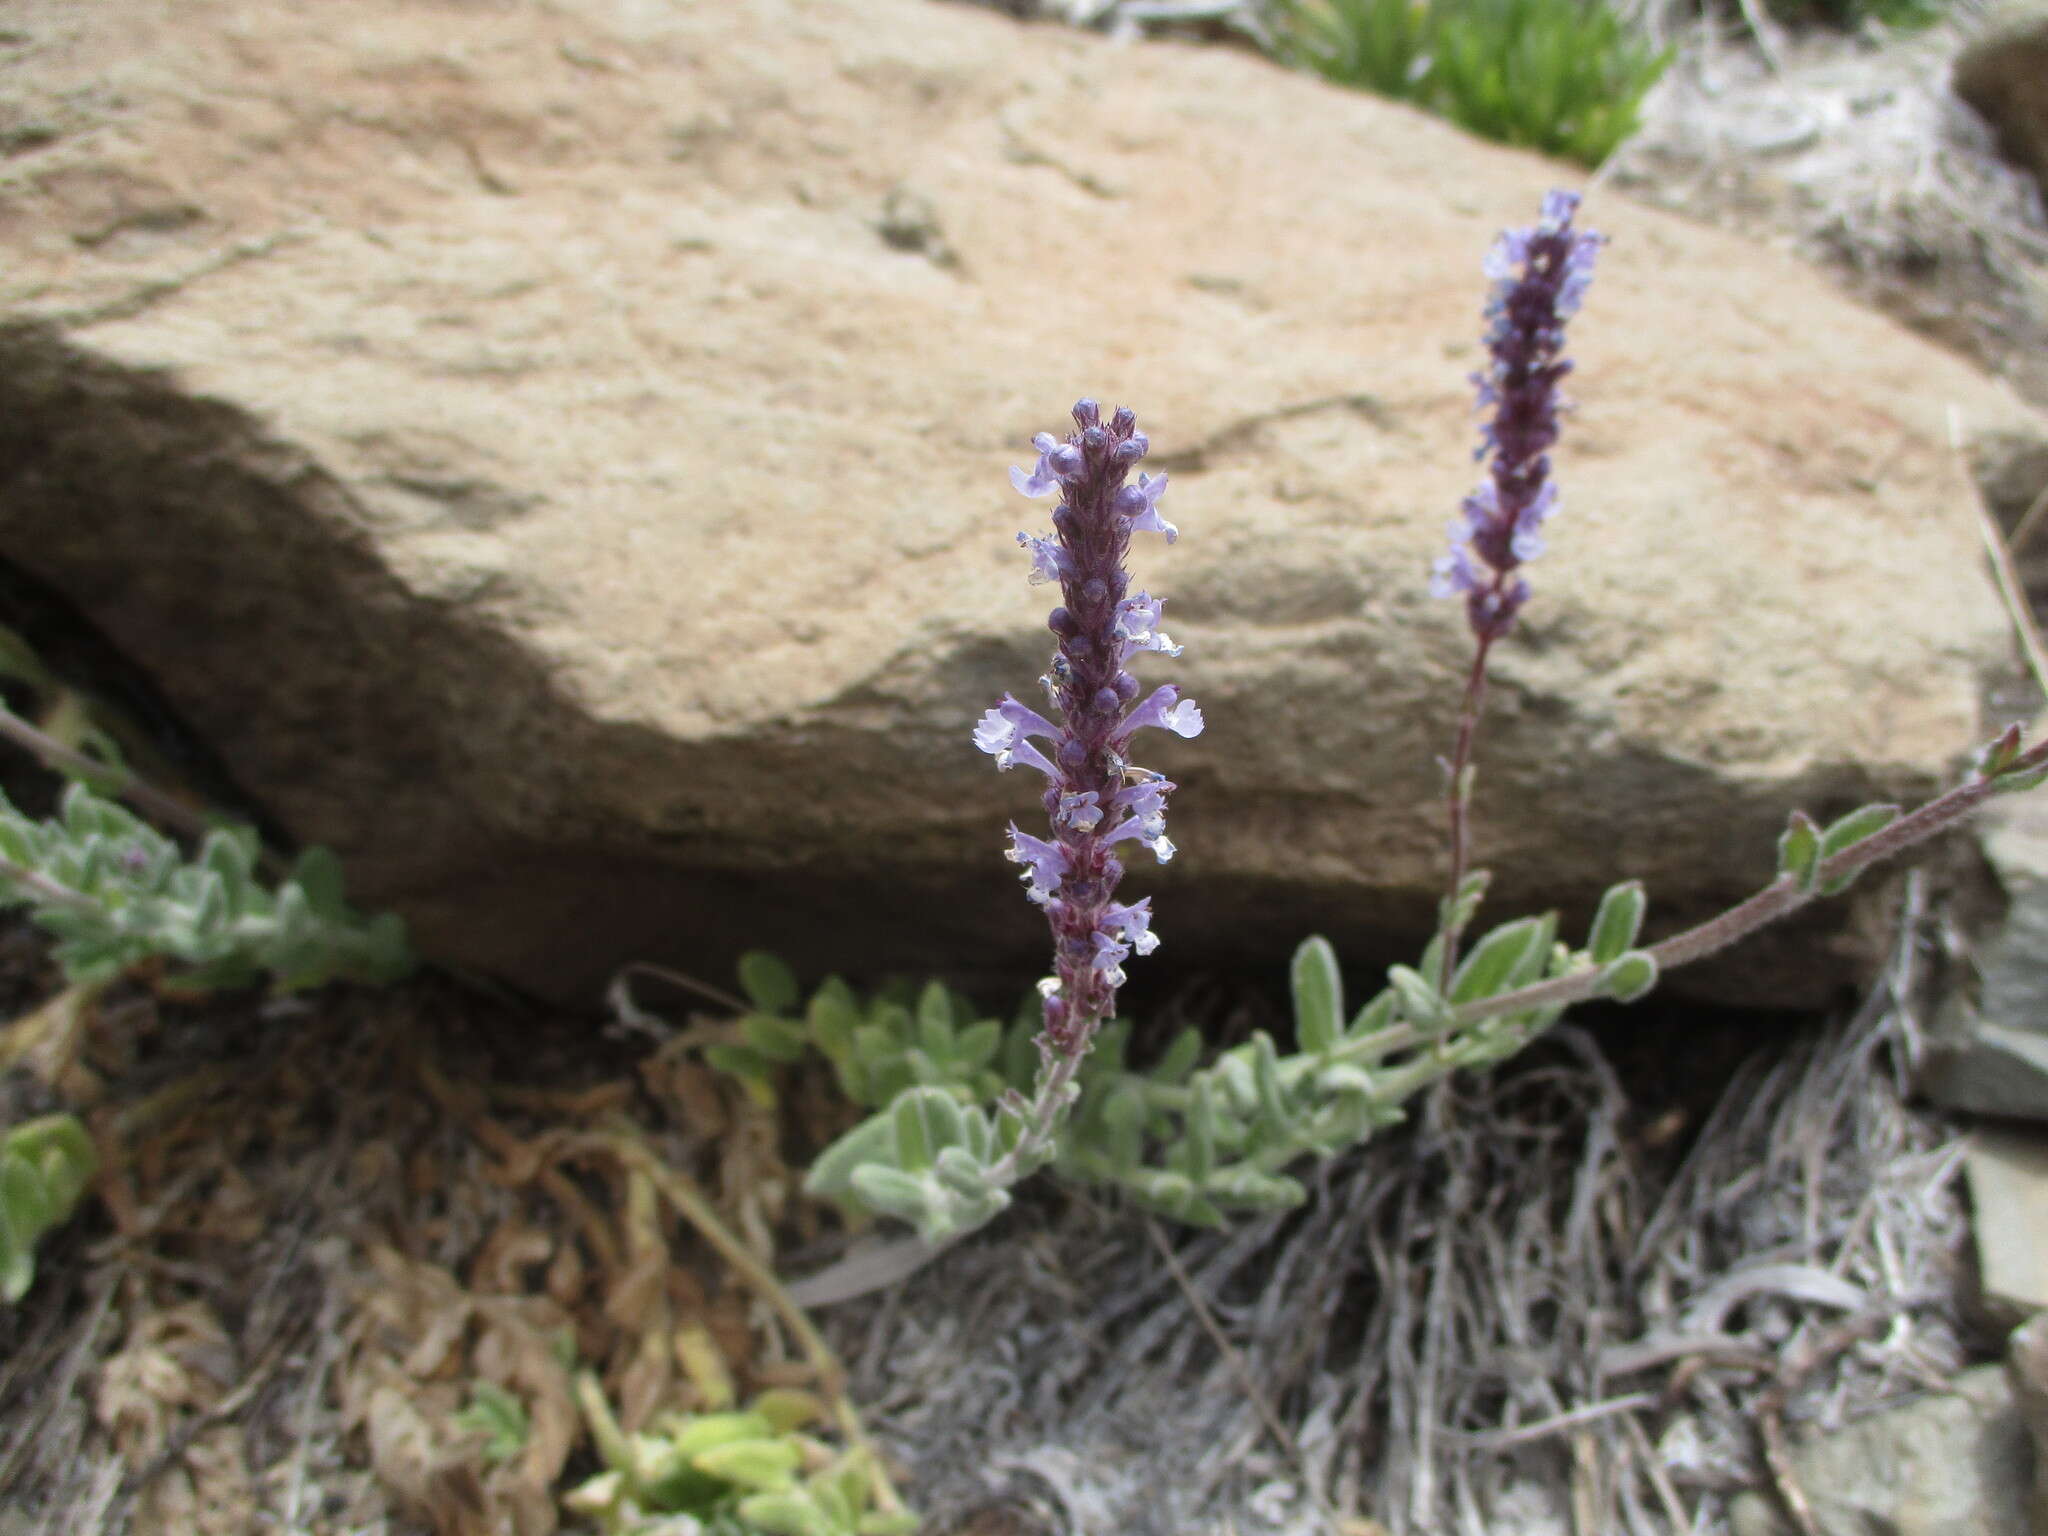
(2003, 74)
(1956, 1464)
(2026, 1367)
(2008, 1171)
(555, 454)
(1988, 1051)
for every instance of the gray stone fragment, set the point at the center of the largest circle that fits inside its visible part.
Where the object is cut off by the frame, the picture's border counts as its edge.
(2008, 1172)
(2026, 1365)
(1953, 1465)
(1989, 1054)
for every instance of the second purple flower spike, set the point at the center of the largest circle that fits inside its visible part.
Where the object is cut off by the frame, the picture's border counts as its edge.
(1539, 277)
(1095, 796)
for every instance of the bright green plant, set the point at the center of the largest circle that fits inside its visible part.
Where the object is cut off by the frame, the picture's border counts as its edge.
(750, 1472)
(1567, 77)
(46, 1165)
(1375, 45)
(499, 1417)
(1563, 76)
(116, 892)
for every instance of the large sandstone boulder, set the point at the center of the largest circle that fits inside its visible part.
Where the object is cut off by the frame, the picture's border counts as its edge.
(555, 454)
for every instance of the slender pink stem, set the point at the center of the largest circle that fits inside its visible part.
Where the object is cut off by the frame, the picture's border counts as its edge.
(1782, 896)
(1458, 802)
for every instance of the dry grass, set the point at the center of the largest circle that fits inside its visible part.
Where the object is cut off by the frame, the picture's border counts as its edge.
(1502, 1319)
(322, 1227)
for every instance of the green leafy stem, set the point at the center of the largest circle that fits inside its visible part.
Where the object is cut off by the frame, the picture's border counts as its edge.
(952, 1132)
(116, 892)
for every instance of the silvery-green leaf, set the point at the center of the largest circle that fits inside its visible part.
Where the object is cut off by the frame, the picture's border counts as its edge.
(961, 1172)
(17, 1261)
(762, 1464)
(62, 1153)
(211, 910)
(1318, 988)
(25, 1198)
(1200, 1141)
(893, 1192)
(976, 1045)
(776, 1039)
(1855, 827)
(2018, 783)
(1180, 1057)
(1510, 954)
(1232, 1074)
(917, 1129)
(318, 874)
(935, 1021)
(1373, 1017)
(1628, 978)
(1994, 758)
(388, 952)
(1343, 1078)
(16, 845)
(740, 1061)
(874, 1043)
(1245, 1185)
(1274, 1110)
(707, 1431)
(831, 1175)
(1432, 962)
(1799, 849)
(788, 1512)
(833, 1015)
(1124, 1115)
(294, 919)
(769, 984)
(1421, 1003)
(901, 1523)
(1106, 1059)
(1163, 1186)
(1845, 834)
(1456, 912)
(1020, 1056)
(1618, 921)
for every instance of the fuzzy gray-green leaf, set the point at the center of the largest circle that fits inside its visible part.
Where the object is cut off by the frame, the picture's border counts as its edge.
(831, 1175)
(1618, 921)
(1318, 997)
(1499, 960)
(1629, 977)
(769, 984)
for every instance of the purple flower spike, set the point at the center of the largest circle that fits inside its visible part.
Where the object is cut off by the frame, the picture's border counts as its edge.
(1540, 276)
(1095, 798)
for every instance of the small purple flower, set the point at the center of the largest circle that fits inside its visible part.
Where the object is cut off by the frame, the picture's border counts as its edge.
(1137, 626)
(1048, 560)
(1042, 479)
(1165, 708)
(1045, 864)
(1095, 797)
(1140, 503)
(1540, 276)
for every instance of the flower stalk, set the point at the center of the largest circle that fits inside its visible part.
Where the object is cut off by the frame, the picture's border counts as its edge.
(1096, 797)
(1539, 275)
